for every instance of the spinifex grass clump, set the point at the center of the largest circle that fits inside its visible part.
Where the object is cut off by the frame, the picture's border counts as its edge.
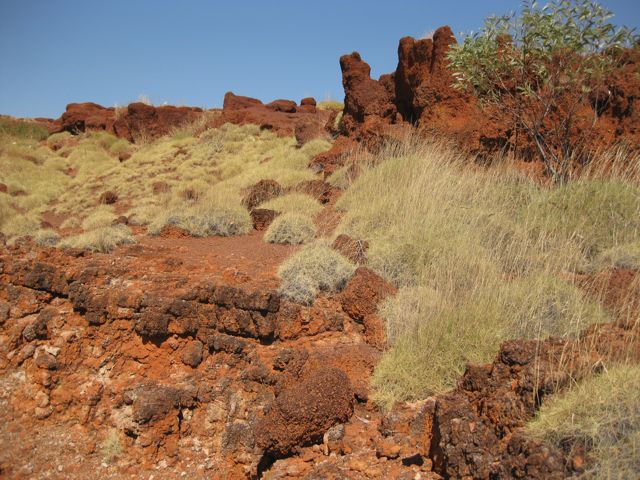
(601, 414)
(314, 269)
(479, 255)
(292, 228)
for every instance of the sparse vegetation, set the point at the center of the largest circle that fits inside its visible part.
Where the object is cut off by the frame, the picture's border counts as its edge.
(46, 237)
(601, 414)
(292, 228)
(479, 257)
(203, 178)
(294, 203)
(111, 447)
(331, 105)
(314, 269)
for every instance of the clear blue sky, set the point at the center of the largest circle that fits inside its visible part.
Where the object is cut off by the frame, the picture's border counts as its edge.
(192, 51)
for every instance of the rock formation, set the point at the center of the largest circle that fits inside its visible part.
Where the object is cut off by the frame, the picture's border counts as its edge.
(419, 97)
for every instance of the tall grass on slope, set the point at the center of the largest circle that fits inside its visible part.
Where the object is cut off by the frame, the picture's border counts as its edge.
(602, 414)
(479, 256)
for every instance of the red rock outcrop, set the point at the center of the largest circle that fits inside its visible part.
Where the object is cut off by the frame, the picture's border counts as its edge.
(283, 117)
(304, 410)
(261, 192)
(137, 120)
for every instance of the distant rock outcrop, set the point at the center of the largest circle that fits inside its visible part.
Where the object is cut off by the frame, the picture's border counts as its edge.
(283, 117)
(135, 121)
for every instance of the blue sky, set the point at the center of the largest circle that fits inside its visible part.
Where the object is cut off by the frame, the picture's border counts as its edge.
(191, 52)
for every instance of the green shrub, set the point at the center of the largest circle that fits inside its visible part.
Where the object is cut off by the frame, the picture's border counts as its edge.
(292, 228)
(313, 269)
(553, 58)
(602, 414)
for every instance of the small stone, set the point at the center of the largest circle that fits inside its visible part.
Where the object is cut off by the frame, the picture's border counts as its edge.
(43, 377)
(26, 352)
(42, 413)
(388, 449)
(52, 350)
(192, 354)
(45, 359)
(42, 399)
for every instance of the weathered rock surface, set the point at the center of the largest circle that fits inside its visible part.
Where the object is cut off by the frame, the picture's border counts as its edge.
(304, 410)
(193, 374)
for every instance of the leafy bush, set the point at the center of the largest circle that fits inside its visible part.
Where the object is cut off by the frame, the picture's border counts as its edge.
(313, 269)
(541, 68)
(292, 228)
(601, 414)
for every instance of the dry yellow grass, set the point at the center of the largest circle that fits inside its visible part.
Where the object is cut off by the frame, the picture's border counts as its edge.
(602, 414)
(202, 173)
(294, 203)
(292, 228)
(314, 269)
(479, 256)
